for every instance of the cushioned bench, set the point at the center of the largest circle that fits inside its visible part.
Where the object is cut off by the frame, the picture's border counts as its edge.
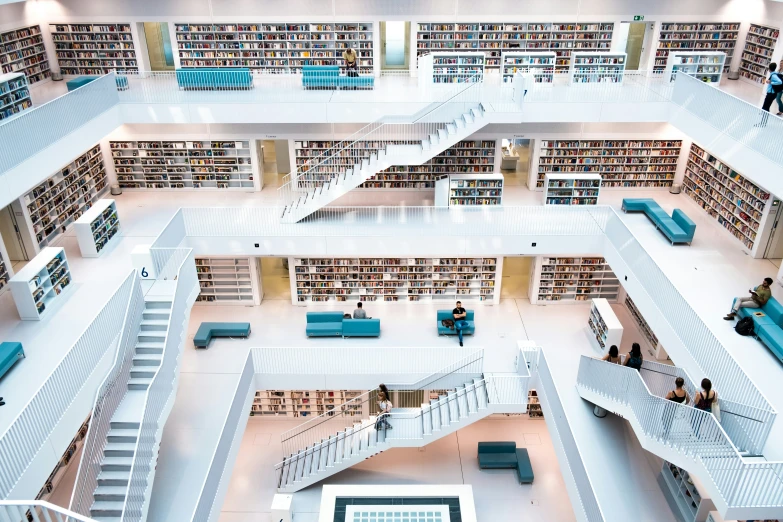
(356, 82)
(446, 314)
(361, 327)
(768, 326)
(9, 354)
(678, 228)
(121, 81)
(504, 455)
(215, 79)
(207, 331)
(324, 324)
(320, 76)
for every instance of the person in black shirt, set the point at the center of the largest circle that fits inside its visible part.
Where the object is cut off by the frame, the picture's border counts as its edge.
(459, 315)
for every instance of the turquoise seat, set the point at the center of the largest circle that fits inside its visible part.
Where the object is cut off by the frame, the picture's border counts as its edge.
(10, 353)
(324, 324)
(356, 82)
(361, 327)
(446, 314)
(524, 468)
(768, 327)
(501, 454)
(320, 76)
(678, 228)
(121, 81)
(224, 79)
(206, 331)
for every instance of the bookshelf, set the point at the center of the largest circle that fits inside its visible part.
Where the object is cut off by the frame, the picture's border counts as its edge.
(466, 157)
(61, 468)
(97, 226)
(181, 164)
(759, 45)
(655, 349)
(572, 189)
(91, 48)
(285, 404)
(451, 67)
(603, 327)
(625, 164)
(493, 39)
(696, 36)
(469, 189)
(540, 64)
(14, 95)
(595, 67)
(65, 196)
(227, 280)
(736, 203)
(534, 410)
(40, 282)
(389, 280)
(706, 66)
(22, 51)
(274, 47)
(686, 491)
(568, 280)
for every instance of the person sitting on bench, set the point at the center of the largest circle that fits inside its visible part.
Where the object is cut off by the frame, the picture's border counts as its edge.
(359, 313)
(758, 298)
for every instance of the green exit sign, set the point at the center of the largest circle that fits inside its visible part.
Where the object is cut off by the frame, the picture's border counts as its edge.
(638, 18)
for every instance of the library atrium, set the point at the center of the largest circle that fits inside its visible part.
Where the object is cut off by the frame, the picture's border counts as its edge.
(391, 261)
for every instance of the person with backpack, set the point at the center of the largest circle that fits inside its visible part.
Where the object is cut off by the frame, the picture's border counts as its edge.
(758, 298)
(774, 86)
(635, 358)
(679, 395)
(705, 399)
(384, 408)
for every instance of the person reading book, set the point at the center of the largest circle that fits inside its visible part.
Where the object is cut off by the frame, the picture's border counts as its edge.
(758, 298)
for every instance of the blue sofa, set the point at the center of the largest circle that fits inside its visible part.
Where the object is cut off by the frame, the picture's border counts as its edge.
(332, 324)
(356, 82)
(72, 85)
(446, 314)
(500, 455)
(206, 331)
(768, 325)
(361, 327)
(678, 228)
(10, 353)
(215, 79)
(320, 76)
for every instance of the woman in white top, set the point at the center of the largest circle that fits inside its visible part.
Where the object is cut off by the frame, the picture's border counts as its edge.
(384, 408)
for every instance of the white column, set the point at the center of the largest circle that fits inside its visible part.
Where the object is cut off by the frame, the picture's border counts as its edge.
(532, 172)
(413, 49)
(174, 45)
(682, 161)
(140, 46)
(257, 165)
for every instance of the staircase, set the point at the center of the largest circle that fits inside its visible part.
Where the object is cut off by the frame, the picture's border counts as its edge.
(121, 440)
(348, 435)
(426, 134)
(741, 488)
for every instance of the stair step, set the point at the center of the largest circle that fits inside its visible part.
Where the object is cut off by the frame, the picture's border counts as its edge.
(157, 303)
(113, 478)
(149, 348)
(146, 360)
(116, 463)
(119, 449)
(154, 325)
(142, 374)
(468, 118)
(106, 508)
(122, 425)
(107, 519)
(451, 128)
(151, 337)
(139, 383)
(110, 493)
(156, 315)
(122, 435)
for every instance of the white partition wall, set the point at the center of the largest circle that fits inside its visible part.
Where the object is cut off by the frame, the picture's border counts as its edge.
(572, 189)
(706, 66)
(469, 189)
(36, 286)
(97, 226)
(603, 327)
(594, 67)
(541, 65)
(451, 67)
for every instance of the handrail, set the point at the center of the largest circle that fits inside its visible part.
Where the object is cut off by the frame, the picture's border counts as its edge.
(107, 399)
(17, 510)
(695, 433)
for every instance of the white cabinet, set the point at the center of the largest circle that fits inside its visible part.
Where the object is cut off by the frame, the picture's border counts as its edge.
(40, 282)
(469, 190)
(706, 66)
(14, 95)
(603, 327)
(558, 280)
(595, 67)
(541, 65)
(572, 189)
(97, 226)
(451, 67)
(227, 280)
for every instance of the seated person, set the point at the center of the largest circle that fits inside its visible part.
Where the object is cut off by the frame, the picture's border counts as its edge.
(359, 313)
(758, 298)
(460, 322)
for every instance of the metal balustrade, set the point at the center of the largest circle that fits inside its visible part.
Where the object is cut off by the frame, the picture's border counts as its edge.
(696, 435)
(30, 430)
(162, 390)
(107, 399)
(37, 511)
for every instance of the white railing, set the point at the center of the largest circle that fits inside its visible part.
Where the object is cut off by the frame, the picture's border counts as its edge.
(108, 398)
(695, 434)
(626, 87)
(162, 390)
(563, 440)
(37, 511)
(34, 130)
(216, 480)
(740, 120)
(30, 430)
(353, 361)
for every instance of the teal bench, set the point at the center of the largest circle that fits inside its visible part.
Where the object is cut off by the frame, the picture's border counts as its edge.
(446, 314)
(769, 326)
(72, 85)
(10, 353)
(206, 331)
(505, 455)
(361, 327)
(320, 76)
(356, 82)
(324, 324)
(230, 79)
(678, 228)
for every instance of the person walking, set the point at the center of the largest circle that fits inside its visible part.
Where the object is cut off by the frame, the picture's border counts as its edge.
(635, 358)
(384, 408)
(612, 356)
(774, 86)
(350, 57)
(460, 320)
(705, 399)
(678, 395)
(758, 298)
(359, 313)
